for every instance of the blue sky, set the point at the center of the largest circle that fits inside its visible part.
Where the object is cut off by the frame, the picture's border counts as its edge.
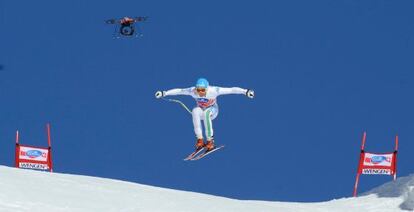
(323, 72)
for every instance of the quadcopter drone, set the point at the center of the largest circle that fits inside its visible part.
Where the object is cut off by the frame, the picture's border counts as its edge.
(126, 26)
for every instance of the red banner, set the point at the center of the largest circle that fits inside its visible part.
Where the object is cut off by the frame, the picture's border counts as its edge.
(33, 157)
(377, 163)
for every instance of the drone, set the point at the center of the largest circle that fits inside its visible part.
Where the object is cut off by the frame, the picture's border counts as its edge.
(126, 26)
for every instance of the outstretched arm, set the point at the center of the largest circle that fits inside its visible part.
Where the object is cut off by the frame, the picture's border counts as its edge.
(235, 90)
(178, 91)
(173, 92)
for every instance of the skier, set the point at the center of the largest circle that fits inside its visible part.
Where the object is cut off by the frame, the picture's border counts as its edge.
(207, 109)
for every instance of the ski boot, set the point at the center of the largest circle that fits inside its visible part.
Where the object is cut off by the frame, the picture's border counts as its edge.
(200, 144)
(210, 145)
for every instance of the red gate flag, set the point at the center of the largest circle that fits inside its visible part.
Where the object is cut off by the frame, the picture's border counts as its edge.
(30, 157)
(376, 163)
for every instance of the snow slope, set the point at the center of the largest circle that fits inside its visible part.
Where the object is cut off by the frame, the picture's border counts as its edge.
(26, 190)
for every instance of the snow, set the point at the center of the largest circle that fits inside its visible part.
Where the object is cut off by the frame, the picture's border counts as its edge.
(27, 190)
(401, 188)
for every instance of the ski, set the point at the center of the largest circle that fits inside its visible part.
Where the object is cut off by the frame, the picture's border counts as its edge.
(193, 154)
(202, 155)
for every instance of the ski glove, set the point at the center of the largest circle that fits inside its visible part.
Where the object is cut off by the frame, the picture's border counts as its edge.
(250, 93)
(159, 94)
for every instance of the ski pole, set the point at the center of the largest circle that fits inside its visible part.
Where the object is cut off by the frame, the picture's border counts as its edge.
(179, 102)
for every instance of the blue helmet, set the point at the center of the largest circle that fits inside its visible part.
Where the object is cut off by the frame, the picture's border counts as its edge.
(202, 83)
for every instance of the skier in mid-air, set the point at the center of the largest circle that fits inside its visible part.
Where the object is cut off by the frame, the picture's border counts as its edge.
(207, 109)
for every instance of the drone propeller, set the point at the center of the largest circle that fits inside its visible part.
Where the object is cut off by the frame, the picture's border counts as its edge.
(141, 18)
(110, 21)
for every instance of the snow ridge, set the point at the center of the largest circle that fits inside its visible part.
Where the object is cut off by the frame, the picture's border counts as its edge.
(27, 190)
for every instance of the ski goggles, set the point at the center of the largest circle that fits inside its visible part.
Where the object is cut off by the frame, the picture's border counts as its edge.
(200, 89)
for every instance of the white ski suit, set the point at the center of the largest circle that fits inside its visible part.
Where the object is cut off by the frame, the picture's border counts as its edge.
(207, 107)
